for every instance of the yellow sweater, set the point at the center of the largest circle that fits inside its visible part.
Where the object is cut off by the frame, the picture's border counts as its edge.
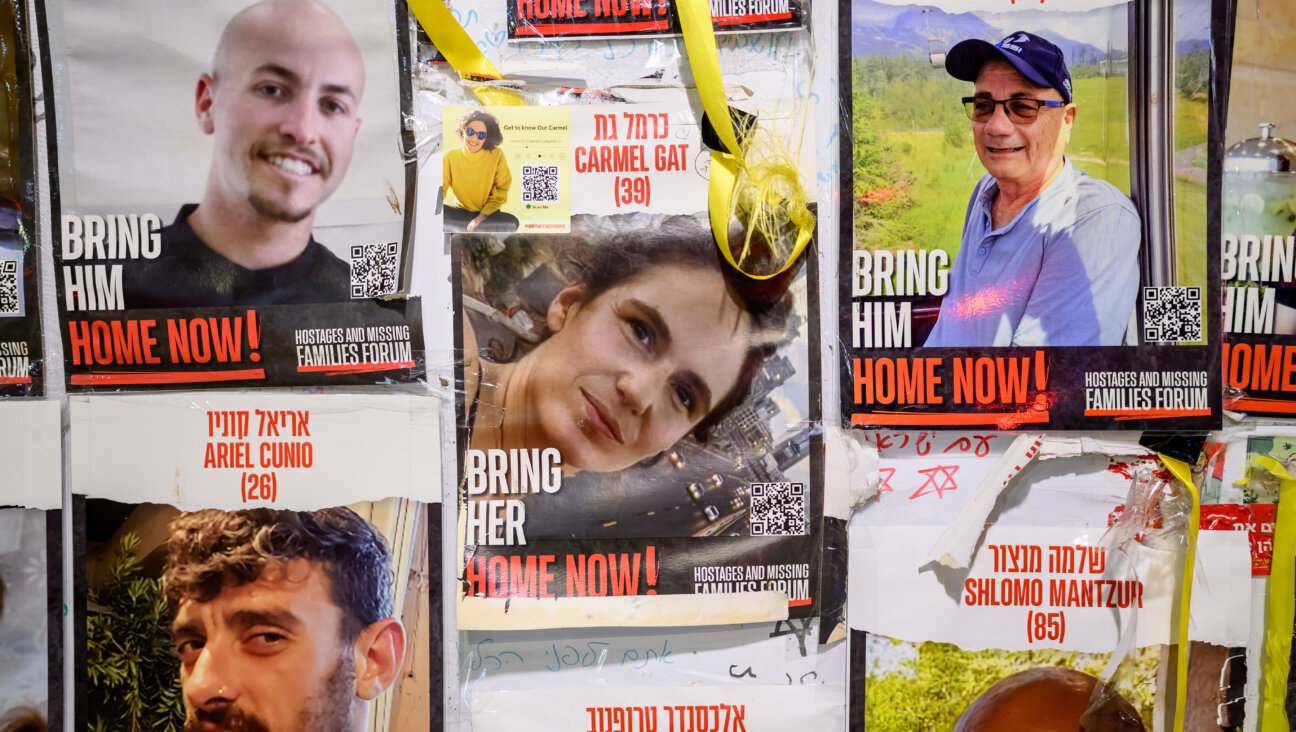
(478, 181)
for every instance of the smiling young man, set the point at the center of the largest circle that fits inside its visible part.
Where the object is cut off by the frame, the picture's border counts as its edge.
(1049, 256)
(283, 619)
(281, 103)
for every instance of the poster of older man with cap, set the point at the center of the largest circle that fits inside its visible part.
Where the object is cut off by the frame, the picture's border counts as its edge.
(1049, 255)
(1025, 238)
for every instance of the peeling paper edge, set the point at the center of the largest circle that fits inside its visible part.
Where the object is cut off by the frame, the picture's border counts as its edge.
(851, 474)
(1057, 446)
(632, 611)
(958, 542)
(31, 449)
(955, 547)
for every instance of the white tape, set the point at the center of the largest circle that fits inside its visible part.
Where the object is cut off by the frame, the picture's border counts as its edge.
(523, 613)
(850, 471)
(956, 544)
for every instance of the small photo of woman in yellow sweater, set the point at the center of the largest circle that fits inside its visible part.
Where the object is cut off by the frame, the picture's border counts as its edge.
(476, 178)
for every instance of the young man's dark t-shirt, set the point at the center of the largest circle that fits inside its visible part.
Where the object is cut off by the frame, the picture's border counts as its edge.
(188, 273)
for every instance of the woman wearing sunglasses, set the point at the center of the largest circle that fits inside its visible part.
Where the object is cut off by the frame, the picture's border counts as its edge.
(476, 177)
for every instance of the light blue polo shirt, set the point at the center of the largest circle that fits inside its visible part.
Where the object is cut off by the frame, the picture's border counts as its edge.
(1064, 272)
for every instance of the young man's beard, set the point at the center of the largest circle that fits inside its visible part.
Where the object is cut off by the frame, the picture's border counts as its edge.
(328, 710)
(276, 212)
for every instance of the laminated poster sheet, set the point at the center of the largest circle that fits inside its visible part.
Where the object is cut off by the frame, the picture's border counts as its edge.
(541, 19)
(1258, 219)
(635, 430)
(22, 366)
(234, 195)
(964, 299)
(255, 561)
(1044, 602)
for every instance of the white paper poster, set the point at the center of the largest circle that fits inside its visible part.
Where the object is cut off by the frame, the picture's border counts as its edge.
(1040, 588)
(233, 451)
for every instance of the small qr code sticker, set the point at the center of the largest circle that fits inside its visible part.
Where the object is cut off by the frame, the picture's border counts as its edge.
(373, 270)
(540, 183)
(1172, 314)
(778, 509)
(9, 287)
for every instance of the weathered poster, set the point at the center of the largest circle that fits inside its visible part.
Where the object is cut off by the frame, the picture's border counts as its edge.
(636, 418)
(22, 364)
(1259, 221)
(1066, 604)
(1026, 235)
(234, 195)
(541, 19)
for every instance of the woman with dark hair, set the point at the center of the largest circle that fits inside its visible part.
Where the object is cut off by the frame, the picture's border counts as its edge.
(648, 342)
(476, 177)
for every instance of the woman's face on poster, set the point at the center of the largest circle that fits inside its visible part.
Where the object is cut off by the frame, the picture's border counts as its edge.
(475, 136)
(628, 373)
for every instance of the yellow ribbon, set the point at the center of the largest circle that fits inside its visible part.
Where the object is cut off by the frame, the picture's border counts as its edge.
(699, 41)
(1280, 606)
(460, 52)
(1181, 471)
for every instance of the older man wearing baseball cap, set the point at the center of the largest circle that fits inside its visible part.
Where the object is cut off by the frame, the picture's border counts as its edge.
(1049, 256)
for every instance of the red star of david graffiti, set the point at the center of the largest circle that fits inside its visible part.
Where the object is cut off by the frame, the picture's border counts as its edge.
(887, 475)
(939, 480)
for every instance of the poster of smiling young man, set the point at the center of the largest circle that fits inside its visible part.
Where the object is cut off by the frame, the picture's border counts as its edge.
(233, 194)
(1026, 239)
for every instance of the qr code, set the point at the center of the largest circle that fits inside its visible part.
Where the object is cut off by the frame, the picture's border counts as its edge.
(1172, 314)
(778, 509)
(373, 270)
(540, 183)
(9, 287)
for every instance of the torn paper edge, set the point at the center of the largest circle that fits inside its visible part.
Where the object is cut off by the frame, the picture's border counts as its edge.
(955, 547)
(851, 474)
(637, 611)
(956, 544)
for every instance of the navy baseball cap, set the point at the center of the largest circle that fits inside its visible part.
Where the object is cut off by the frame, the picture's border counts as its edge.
(1032, 56)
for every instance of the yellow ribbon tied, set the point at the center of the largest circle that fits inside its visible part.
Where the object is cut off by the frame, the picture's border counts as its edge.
(461, 53)
(773, 195)
(1280, 605)
(1181, 471)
